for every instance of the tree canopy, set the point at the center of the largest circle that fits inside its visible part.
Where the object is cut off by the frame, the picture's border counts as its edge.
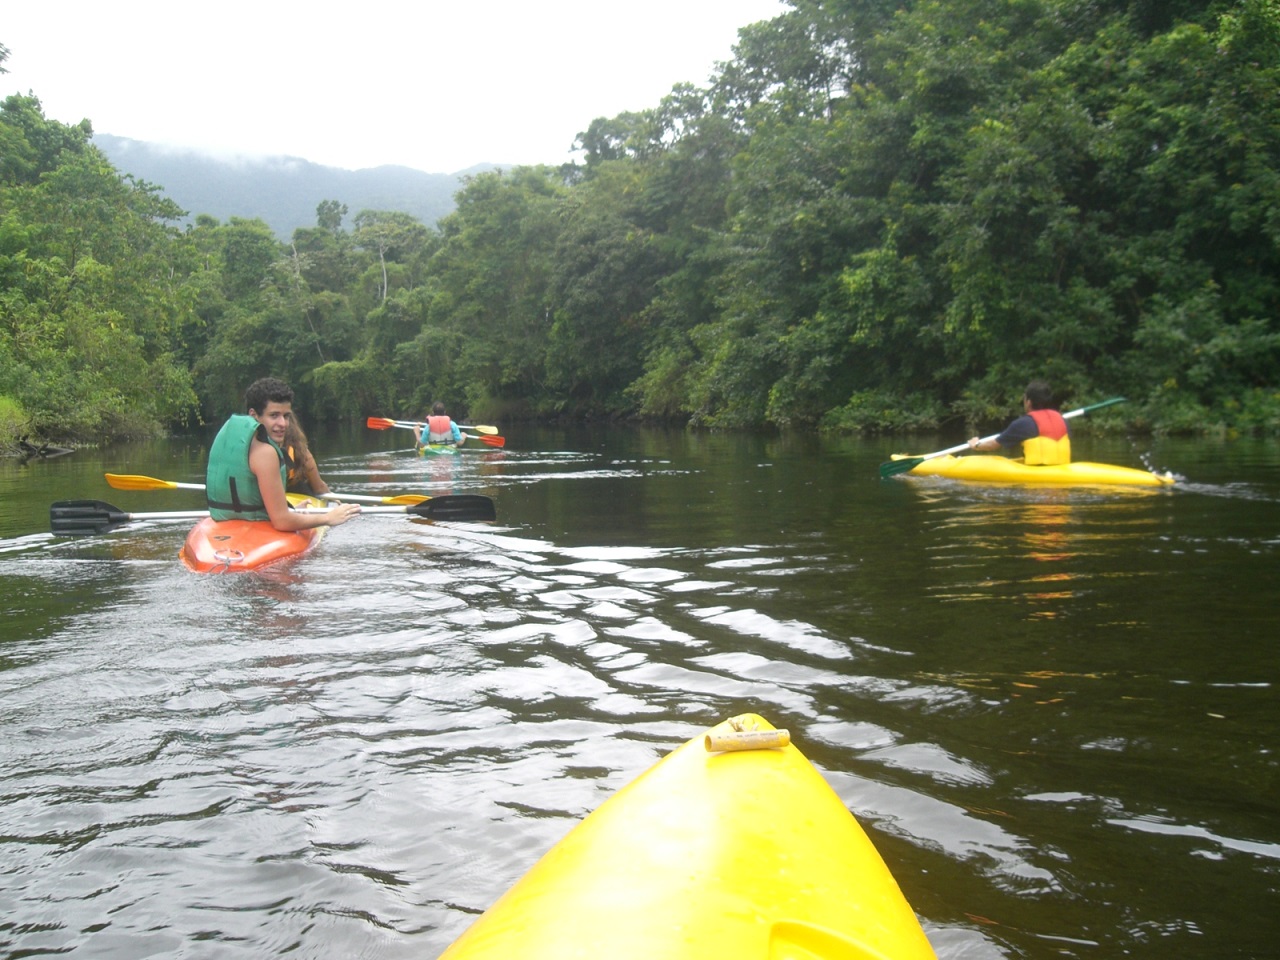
(878, 215)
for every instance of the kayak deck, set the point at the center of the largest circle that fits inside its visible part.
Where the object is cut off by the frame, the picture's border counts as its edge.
(744, 854)
(995, 469)
(237, 546)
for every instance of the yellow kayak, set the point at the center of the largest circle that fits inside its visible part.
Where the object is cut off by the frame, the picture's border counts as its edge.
(995, 469)
(731, 846)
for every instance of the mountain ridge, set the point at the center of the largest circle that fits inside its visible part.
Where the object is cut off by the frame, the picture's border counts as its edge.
(283, 191)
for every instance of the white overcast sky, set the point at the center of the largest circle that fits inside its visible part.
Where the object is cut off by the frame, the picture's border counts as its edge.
(432, 85)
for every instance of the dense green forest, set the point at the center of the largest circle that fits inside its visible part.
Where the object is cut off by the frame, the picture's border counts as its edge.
(878, 215)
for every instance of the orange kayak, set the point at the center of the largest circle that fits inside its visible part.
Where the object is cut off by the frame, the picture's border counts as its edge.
(236, 546)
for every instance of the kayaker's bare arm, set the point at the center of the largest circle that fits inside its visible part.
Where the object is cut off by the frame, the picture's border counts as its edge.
(977, 444)
(265, 464)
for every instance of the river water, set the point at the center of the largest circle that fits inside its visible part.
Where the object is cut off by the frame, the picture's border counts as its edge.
(1054, 712)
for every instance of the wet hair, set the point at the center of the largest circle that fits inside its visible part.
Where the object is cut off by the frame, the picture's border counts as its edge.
(437, 409)
(264, 391)
(1040, 394)
(296, 437)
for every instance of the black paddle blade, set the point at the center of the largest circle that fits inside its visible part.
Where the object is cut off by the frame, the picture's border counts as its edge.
(891, 468)
(84, 518)
(463, 506)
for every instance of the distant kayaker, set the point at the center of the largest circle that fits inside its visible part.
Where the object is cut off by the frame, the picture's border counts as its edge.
(1041, 431)
(303, 474)
(439, 428)
(247, 472)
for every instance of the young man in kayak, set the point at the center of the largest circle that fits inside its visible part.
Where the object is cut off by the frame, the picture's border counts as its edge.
(1041, 431)
(439, 428)
(246, 476)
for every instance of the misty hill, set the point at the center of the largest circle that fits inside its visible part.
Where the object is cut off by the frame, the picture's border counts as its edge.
(282, 191)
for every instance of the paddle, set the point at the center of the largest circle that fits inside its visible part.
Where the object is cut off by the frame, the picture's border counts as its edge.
(454, 506)
(902, 464)
(383, 423)
(487, 441)
(130, 481)
(85, 518)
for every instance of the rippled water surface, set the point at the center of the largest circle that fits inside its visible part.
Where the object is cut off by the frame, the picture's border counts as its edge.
(1053, 711)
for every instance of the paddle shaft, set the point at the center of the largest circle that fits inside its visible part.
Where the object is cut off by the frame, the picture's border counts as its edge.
(408, 508)
(82, 518)
(484, 433)
(169, 484)
(385, 423)
(486, 440)
(120, 516)
(455, 506)
(134, 482)
(359, 498)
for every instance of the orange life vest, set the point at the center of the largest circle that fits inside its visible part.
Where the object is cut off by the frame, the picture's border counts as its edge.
(1054, 443)
(439, 430)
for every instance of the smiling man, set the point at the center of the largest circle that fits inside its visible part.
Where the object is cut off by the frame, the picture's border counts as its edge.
(246, 475)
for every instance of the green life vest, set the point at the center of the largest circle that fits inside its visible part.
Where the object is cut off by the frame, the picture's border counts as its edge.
(231, 488)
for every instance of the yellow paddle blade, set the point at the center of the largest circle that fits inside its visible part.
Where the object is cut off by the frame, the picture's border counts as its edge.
(130, 481)
(405, 500)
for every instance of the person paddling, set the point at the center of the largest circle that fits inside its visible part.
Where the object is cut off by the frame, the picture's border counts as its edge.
(1041, 431)
(247, 471)
(439, 428)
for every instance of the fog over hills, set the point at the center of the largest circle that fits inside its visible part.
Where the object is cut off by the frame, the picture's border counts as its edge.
(282, 191)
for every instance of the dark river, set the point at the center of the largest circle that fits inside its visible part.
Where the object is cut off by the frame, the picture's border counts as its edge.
(1055, 712)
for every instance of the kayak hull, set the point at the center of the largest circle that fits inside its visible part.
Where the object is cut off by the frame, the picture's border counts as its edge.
(993, 469)
(740, 854)
(237, 546)
(438, 450)
(447, 449)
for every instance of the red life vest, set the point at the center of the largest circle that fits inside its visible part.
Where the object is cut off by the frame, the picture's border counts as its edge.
(1054, 443)
(439, 430)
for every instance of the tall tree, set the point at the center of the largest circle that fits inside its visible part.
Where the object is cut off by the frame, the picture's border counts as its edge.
(390, 235)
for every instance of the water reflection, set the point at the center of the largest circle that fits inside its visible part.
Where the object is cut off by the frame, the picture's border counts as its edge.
(1042, 550)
